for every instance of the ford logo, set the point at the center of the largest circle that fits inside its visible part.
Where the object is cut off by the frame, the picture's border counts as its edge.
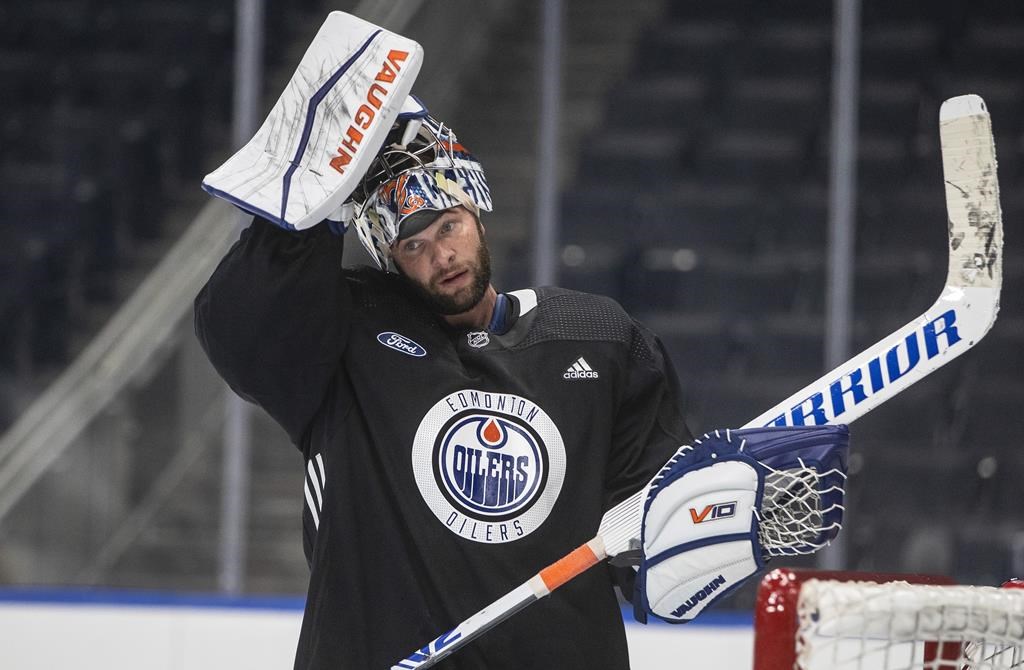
(401, 343)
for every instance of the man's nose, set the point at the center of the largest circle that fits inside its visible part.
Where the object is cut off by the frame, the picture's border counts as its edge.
(443, 255)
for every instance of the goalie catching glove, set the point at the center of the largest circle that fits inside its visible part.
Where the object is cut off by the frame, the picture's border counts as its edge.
(725, 504)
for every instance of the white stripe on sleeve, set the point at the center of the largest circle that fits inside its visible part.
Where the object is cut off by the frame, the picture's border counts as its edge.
(323, 472)
(316, 484)
(312, 506)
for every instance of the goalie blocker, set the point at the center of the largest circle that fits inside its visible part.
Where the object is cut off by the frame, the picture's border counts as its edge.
(725, 504)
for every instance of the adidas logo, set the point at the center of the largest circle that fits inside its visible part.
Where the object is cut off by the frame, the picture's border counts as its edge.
(580, 370)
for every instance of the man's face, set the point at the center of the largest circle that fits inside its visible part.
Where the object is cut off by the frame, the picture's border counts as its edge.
(447, 263)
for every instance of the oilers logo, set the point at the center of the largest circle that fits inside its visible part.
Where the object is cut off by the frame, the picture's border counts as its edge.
(489, 465)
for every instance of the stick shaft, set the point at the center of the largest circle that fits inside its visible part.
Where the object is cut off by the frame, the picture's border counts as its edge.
(574, 563)
(581, 559)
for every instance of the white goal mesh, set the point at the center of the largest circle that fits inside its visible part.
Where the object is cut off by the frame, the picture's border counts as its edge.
(898, 625)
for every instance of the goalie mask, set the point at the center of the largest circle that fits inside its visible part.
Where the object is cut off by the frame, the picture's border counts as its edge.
(421, 170)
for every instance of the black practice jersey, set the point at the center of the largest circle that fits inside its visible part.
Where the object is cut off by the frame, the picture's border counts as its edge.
(443, 467)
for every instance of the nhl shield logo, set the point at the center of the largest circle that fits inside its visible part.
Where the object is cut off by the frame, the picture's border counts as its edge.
(490, 466)
(478, 339)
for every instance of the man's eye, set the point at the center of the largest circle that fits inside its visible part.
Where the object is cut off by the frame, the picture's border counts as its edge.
(447, 226)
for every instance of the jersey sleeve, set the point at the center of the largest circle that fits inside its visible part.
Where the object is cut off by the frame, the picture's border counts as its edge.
(273, 319)
(649, 423)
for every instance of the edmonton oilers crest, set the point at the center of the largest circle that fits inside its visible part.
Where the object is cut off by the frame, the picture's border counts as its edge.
(489, 465)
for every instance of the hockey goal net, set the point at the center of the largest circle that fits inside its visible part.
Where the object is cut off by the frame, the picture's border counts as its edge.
(810, 620)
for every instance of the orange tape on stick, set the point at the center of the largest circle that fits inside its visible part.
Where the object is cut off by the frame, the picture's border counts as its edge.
(567, 567)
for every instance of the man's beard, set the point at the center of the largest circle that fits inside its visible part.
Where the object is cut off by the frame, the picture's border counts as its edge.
(464, 299)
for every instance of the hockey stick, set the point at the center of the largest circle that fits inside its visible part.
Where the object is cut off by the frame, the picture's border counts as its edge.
(959, 318)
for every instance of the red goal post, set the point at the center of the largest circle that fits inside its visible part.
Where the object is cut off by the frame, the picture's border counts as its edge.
(871, 620)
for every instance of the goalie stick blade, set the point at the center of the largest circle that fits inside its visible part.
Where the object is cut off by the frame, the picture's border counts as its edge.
(962, 315)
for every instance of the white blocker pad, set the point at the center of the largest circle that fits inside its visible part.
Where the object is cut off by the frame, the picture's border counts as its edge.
(327, 126)
(699, 538)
